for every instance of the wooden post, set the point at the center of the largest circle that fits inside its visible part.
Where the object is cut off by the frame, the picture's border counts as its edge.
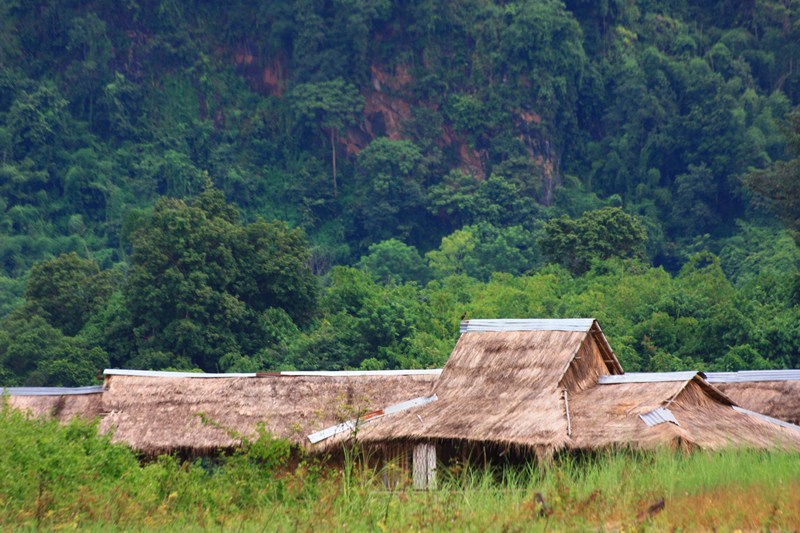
(424, 466)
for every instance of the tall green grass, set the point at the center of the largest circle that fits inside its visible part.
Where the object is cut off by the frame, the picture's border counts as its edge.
(54, 476)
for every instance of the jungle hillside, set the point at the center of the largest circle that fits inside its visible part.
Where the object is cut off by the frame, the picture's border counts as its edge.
(335, 184)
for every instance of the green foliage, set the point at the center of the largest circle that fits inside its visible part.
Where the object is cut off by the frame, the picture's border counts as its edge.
(199, 280)
(602, 234)
(34, 353)
(488, 137)
(388, 193)
(68, 290)
(778, 185)
(67, 476)
(392, 261)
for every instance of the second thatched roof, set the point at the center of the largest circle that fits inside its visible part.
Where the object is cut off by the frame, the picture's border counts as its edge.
(772, 392)
(62, 403)
(679, 409)
(162, 412)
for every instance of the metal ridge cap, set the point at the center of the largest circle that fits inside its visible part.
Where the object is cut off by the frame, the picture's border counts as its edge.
(288, 373)
(52, 391)
(766, 418)
(527, 324)
(168, 374)
(647, 377)
(745, 376)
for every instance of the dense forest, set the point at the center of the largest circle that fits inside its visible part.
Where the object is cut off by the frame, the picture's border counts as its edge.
(330, 184)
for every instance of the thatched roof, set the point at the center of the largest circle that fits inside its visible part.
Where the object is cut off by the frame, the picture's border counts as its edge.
(159, 412)
(63, 403)
(503, 384)
(772, 392)
(675, 409)
(549, 389)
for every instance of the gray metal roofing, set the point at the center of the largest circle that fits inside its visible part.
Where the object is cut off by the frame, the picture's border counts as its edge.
(777, 421)
(661, 415)
(647, 377)
(52, 391)
(744, 376)
(342, 373)
(518, 324)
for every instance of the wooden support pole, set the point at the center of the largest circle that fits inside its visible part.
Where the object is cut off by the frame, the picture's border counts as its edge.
(424, 466)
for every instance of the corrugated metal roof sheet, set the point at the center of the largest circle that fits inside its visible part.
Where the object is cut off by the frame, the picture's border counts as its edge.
(744, 376)
(516, 324)
(661, 415)
(352, 424)
(777, 421)
(647, 377)
(52, 391)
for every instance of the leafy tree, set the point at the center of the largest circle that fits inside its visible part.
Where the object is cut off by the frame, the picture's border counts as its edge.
(68, 290)
(779, 185)
(393, 261)
(332, 105)
(199, 280)
(34, 353)
(390, 189)
(481, 250)
(601, 234)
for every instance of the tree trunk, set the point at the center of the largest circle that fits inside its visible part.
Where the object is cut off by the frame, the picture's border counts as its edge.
(333, 160)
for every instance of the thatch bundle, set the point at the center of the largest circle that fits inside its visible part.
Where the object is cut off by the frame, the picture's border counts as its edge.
(200, 415)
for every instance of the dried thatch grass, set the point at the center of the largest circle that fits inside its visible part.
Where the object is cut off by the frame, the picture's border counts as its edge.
(64, 407)
(503, 388)
(778, 399)
(608, 416)
(160, 414)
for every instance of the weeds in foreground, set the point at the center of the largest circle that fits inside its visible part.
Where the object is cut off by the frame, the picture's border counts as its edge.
(54, 476)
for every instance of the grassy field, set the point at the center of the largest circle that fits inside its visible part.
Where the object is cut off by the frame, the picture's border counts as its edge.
(58, 477)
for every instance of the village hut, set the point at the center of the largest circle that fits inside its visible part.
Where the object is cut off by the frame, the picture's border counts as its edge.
(676, 409)
(62, 403)
(539, 386)
(507, 384)
(198, 414)
(775, 393)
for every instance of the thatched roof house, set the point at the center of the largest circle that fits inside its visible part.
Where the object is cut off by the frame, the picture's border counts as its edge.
(678, 409)
(157, 412)
(63, 403)
(505, 384)
(772, 392)
(547, 385)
